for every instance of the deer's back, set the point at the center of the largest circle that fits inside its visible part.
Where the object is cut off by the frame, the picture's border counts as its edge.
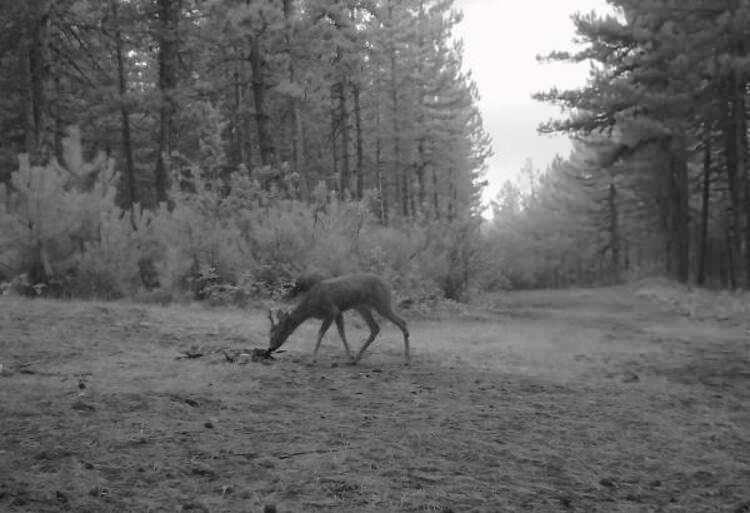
(348, 291)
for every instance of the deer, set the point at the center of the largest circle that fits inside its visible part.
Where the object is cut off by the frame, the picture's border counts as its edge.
(305, 282)
(327, 299)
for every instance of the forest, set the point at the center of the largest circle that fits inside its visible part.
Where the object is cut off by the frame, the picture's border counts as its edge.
(172, 168)
(217, 149)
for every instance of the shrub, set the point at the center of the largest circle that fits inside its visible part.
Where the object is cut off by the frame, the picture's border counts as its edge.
(223, 240)
(59, 227)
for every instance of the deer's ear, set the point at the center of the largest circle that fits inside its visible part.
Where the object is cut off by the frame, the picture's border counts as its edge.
(280, 315)
(270, 318)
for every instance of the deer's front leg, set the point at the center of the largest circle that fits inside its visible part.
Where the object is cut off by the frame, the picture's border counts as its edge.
(340, 326)
(323, 328)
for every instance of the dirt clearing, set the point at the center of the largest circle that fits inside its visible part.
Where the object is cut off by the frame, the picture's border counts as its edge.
(596, 401)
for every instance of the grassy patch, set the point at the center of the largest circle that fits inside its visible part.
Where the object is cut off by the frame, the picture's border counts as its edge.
(595, 401)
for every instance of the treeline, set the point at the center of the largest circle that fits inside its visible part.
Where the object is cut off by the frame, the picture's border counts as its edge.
(659, 180)
(303, 103)
(360, 94)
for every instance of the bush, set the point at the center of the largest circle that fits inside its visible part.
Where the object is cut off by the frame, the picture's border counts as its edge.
(61, 229)
(224, 240)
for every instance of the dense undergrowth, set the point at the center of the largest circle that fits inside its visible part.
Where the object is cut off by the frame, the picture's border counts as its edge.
(62, 234)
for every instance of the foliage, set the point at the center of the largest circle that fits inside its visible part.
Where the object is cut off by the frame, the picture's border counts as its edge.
(664, 117)
(62, 229)
(224, 241)
(358, 95)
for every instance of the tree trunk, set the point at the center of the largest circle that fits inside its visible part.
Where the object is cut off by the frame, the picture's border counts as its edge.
(730, 280)
(679, 196)
(237, 155)
(344, 176)
(127, 146)
(435, 192)
(399, 172)
(335, 151)
(360, 145)
(451, 195)
(36, 75)
(614, 231)
(262, 119)
(296, 118)
(734, 209)
(421, 164)
(382, 193)
(740, 130)
(59, 130)
(705, 199)
(168, 13)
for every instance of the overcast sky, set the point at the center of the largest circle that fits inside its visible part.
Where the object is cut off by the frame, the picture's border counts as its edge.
(501, 41)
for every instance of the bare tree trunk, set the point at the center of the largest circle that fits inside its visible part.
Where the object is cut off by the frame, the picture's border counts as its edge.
(262, 119)
(344, 176)
(731, 269)
(451, 195)
(296, 117)
(732, 165)
(399, 172)
(680, 208)
(236, 149)
(36, 75)
(127, 146)
(169, 14)
(335, 149)
(705, 199)
(435, 189)
(382, 193)
(360, 148)
(435, 199)
(741, 145)
(59, 130)
(421, 164)
(614, 231)
(29, 127)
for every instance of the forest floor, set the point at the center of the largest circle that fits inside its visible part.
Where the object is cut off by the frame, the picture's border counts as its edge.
(589, 400)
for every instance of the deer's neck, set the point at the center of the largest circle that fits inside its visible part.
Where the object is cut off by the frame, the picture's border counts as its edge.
(294, 319)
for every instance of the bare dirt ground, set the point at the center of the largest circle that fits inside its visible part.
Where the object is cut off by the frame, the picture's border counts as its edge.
(567, 401)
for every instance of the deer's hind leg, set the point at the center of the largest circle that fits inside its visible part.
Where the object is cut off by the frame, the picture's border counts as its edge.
(374, 330)
(340, 326)
(389, 314)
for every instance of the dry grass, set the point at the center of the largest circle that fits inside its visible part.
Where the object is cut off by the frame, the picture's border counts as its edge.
(697, 303)
(576, 401)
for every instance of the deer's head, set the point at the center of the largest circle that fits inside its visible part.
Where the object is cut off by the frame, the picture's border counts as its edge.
(279, 329)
